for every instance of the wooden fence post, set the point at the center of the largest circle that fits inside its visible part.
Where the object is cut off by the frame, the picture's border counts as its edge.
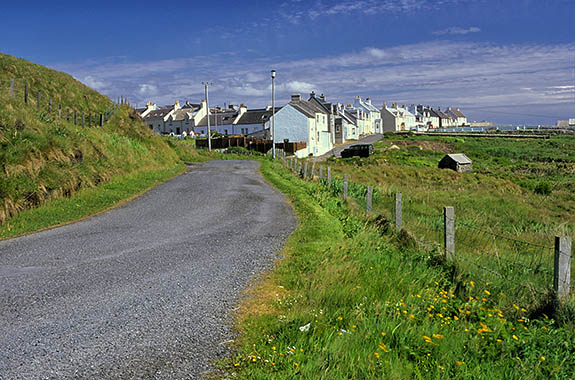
(75, 118)
(101, 120)
(38, 102)
(320, 172)
(329, 176)
(26, 93)
(368, 199)
(313, 170)
(305, 170)
(11, 87)
(50, 105)
(562, 267)
(83, 120)
(59, 111)
(345, 181)
(67, 114)
(449, 232)
(398, 211)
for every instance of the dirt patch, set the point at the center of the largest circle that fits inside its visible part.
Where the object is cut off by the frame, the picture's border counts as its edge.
(436, 146)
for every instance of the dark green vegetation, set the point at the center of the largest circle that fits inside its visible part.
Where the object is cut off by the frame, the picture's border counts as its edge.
(352, 301)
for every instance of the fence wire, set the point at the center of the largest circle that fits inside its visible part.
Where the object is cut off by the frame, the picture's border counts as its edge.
(526, 269)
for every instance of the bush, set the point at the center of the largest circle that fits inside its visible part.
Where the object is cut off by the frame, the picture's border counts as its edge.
(543, 188)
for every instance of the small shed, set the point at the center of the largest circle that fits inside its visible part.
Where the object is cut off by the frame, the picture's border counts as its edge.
(458, 162)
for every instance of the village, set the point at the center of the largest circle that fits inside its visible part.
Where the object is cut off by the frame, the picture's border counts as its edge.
(316, 124)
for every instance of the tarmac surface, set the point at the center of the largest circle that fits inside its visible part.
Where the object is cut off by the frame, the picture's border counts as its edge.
(144, 291)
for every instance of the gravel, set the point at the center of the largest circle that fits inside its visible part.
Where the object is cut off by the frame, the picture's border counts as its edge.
(144, 291)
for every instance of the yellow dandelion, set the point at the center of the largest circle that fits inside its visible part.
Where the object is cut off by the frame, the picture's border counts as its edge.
(354, 327)
(441, 367)
(458, 362)
(236, 364)
(376, 354)
(274, 348)
(487, 292)
(339, 318)
(471, 283)
(438, 336)
(411, 316)
(516, 307)
(456, 317)
(499, 341)
(515, 337)
(296, 364)
(542, 358)
(427, 339)
(383, 333)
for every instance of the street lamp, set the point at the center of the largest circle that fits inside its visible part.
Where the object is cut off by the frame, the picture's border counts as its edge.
(206, 84)
(273, 116)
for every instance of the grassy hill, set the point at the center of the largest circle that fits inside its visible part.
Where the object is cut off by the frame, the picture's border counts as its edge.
(43, 157)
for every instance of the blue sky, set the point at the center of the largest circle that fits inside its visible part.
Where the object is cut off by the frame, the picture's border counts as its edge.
(509, 61)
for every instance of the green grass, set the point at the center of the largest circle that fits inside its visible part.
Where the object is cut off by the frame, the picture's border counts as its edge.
(88, 202)
(378, 311)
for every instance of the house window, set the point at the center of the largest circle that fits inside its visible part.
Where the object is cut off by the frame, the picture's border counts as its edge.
(225, 131)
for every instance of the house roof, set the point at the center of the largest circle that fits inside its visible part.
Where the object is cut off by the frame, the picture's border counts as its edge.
(457, 112)
(156, 114)
(221, 118)
(459, 158)
(308, 108)
(441, 114)
(256, 116)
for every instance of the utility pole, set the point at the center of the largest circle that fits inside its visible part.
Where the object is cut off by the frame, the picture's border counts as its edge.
(273, 116)
(206, 84)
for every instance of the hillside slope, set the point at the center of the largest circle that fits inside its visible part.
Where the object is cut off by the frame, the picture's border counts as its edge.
(45, 157)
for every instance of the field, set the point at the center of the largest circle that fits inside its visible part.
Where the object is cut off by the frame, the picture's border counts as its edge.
(352, 299)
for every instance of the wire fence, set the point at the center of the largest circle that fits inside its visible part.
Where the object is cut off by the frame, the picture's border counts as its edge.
(57, 108)
(526, 270)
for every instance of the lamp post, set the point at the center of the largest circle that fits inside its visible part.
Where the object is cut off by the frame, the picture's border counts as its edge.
(273, 115)
(206, 84)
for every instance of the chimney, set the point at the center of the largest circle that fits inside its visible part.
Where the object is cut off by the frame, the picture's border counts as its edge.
(243, 109)
(368, 100)
(384, 104)
(403, 106)
(312, 95)
(296, 97)
(322, 97)
(394, 105)
(177, 105)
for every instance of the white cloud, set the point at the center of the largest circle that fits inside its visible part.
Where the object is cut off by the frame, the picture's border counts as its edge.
(455, 30)
(296, 86)
(148, 90)
(94, 83)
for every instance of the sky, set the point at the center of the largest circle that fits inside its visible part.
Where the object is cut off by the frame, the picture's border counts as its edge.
(506, 61)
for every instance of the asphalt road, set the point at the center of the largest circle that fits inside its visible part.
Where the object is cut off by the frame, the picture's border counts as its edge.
(144, 291)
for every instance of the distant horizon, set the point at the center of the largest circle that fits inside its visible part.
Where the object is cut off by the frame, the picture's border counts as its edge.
(504, 62)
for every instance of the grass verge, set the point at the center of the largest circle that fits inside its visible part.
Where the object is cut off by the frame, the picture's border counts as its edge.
(347, 303)
(88, 202)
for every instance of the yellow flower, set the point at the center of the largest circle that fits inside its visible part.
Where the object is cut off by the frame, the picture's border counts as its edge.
(274, 348)
(383, 347)
(354, 326)
(339, 318)
(376, 355)
(487, 292)
(499, 341)
(441, 367)
(427, 339)
(301, 350)
(382, 333)
(236, 364)
(438, 336)
(516, 307)
(542, 358)
(296, 364)
(458, 362)
(456, 317)
(515, 337)
(471, 283)
(411, 316)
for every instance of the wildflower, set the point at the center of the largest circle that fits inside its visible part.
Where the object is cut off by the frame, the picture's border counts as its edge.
(411, 316)
(339, 318)
(236, 364)
(383, 333)
(274, 348)
(296, 364)
(441, 367)
(458, 362)
(354, 327)
(438, 336)
(524, 310)
(383, 347)
(516, 307)
(427, 339)
(542, 358)
(471, 283)
(376, 355)
(515, 337)
(499, 341)
(301, 350)
(487, 292)
(456, 317)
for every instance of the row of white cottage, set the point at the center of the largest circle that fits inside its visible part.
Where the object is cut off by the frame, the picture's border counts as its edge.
(315, 121)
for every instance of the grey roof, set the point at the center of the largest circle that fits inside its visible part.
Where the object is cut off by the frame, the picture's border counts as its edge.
(308, 108)
(457, 112)
(441, 114)
(460, 158)
(256, 116)
(157, 114)
(221, 118)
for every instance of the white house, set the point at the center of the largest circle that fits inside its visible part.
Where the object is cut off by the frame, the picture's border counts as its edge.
(303, 121)
(374, 124)
(457, 115)
(396, 118)
(173, 119)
